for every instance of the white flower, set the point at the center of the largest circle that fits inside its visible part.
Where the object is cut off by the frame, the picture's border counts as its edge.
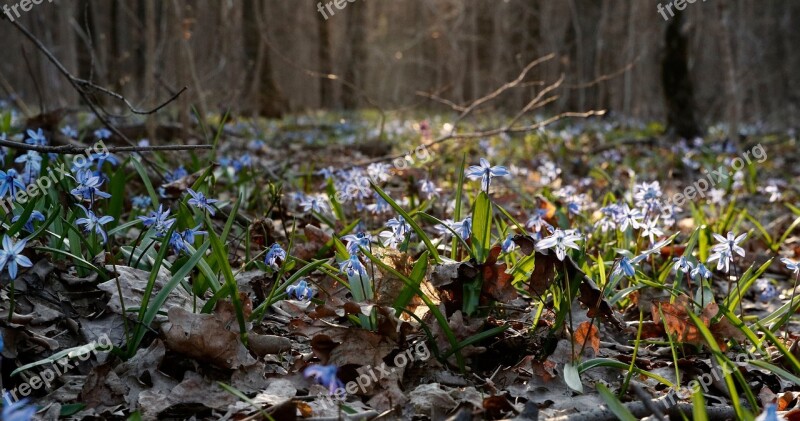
(560, 240)
(731, 244)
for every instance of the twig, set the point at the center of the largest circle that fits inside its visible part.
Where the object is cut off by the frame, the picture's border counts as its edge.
(641, 410)
(76, 83)
(486, 133)
(480, 101)
(87, 84)
(78, 149)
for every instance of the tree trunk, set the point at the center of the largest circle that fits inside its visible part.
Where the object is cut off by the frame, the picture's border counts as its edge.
(677, 84)
(354, 69)
(269, 101)
(324, 57)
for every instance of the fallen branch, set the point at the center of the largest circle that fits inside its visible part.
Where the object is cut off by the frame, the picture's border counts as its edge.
(486, 133)
(79, 149)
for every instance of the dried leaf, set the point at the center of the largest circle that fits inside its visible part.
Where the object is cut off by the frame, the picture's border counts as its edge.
(587, 331)
(206, 337)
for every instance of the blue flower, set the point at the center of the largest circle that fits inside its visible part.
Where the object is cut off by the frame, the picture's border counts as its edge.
(324, 375)
(625, 267)
(101, 158)
(36, 138)
(353, 267)
(428, 189)
(141, 202)
(355, 241)
(94, 224)
(627, 216)
(485, 172)
(35, 216)
(189, 233)
(10, 182)
(33, 165)
(158, 220)
(723, 258)
(508, 244)
(300, 291)
(682, 265)
(537, 221)
(463, 228)
(11, 255)
(69, 132)
(17, 411)
(397, 233)
(200, 201)
(242, 162)
(176, 175)
(88, 186)
(3, 154)
(791, 265)
(767, 290)
(102, 133)
(275, 256)
(700, 271)
(314, 203)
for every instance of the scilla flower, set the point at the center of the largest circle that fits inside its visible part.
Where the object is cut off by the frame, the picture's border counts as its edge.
(682, 265)
(35, 216)
(560, 241)
(17, 411)
(355, 241)
(10, 182)
(731, 244)
(91, 223)
(353, 267)
(11, 256)
(275, 256)
(324, 375)
(201, 202)
(300, 291)
(485, 172)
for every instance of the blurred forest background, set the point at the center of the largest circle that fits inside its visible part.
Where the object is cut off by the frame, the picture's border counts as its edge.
(732, 61)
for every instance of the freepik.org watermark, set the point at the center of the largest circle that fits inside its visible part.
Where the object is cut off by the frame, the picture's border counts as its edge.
(53, 176)
(58, 369)
(25, 5)
(707, 379)
(339, 4)
(371, 375)
(715, 177)
(678, 4)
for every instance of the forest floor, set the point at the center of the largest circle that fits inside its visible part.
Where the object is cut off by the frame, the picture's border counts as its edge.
(587, 270)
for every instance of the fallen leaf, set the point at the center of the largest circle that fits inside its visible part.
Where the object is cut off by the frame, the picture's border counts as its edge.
(587, 331)
(206, 337)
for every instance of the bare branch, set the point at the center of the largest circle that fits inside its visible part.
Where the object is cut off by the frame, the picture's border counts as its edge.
(80, 149)
(480, 101)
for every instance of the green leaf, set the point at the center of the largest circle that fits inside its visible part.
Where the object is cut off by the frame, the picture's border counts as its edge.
(417, 275)
(699, 406)
(482, 227)
(777, 370)
(146, 180)
(727, 367)
(414, 226)
(23, 218)
(573, 378)
(437, 314)
(221, 253)
(457, 210)
(614, 405)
